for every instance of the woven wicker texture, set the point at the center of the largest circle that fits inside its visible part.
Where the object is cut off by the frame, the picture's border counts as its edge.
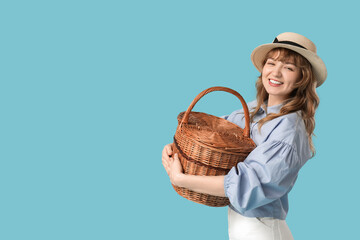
(210, 146)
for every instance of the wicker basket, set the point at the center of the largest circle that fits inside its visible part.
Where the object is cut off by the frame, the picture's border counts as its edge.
(210, 146)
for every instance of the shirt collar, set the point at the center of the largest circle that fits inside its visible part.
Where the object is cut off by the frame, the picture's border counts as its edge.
(271, 109)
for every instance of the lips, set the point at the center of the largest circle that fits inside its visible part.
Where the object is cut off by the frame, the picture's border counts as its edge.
(274, 83)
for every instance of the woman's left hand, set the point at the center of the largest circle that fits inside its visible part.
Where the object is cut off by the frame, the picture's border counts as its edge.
(172, 166)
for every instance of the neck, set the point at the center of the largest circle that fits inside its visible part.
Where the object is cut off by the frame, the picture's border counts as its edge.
(272, 101)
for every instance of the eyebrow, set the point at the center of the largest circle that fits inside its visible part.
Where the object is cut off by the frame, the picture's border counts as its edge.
(292, 63)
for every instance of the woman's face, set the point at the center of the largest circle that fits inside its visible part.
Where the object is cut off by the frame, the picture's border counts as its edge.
(279, 79)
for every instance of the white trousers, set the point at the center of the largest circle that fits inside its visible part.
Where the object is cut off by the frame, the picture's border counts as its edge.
(245, 228)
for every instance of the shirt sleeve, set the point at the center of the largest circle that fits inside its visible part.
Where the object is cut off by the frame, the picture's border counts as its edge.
(237, 116)
(268, 173)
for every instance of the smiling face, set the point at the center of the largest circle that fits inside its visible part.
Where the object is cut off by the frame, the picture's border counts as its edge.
(279, 77)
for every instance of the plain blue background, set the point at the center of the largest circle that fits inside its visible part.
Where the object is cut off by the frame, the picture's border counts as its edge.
(90, 92)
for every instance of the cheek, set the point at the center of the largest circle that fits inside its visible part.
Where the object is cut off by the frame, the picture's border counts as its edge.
(293, 78)
(265, 71)
(296, 78)
(264, 74)
(264, 80)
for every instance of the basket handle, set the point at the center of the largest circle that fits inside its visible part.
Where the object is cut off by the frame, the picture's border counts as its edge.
(225, 89)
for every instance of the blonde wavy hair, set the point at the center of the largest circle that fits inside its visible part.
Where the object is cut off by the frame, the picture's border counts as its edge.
(304, 97)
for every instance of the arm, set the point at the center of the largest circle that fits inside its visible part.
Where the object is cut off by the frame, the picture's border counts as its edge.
(213, 185)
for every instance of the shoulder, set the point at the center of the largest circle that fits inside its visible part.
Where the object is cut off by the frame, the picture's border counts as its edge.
(285, 127)
(250, 106)
(289, 129)
(237, 116)
(291, 123)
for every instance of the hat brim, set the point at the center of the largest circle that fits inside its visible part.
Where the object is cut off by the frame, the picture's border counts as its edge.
(318, 66)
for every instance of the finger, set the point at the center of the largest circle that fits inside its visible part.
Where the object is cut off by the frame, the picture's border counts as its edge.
(164, 154)
(177, 163)
(176, 158)
(168, 149)
(170, 162)
(166, 160)
(166, 166)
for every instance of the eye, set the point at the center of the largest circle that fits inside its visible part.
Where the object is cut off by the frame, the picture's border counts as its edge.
(270, 62)
(290, 67)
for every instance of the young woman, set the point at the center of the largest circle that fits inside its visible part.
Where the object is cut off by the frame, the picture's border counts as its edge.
(282, 125)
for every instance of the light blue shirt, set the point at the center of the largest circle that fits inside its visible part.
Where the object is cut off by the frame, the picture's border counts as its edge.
(259, 186)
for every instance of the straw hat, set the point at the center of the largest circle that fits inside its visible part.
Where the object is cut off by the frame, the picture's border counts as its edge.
(297, 43)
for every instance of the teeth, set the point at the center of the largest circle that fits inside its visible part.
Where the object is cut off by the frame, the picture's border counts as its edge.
(275, 82)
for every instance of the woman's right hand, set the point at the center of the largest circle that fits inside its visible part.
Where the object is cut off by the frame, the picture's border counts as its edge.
(166, 157)
(172, 165)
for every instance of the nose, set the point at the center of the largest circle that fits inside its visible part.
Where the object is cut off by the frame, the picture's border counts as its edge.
(277, 70)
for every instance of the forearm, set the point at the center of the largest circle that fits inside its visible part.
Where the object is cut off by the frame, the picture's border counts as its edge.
(213, 185)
